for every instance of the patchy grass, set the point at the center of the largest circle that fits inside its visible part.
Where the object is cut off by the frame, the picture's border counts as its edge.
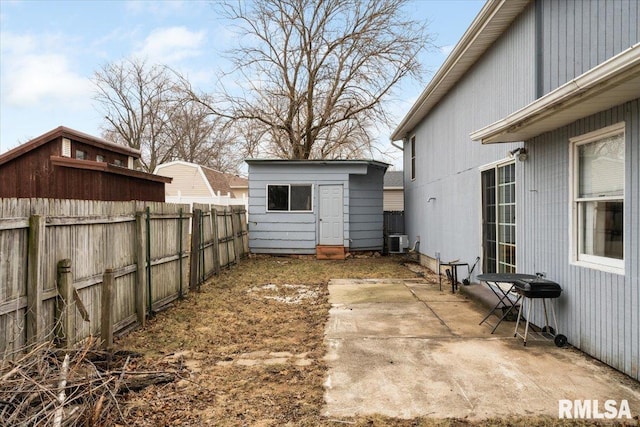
(250, 349)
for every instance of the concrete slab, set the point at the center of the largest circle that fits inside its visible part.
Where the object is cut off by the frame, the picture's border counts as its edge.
(393, 319)
(429, 357)
(343, 291)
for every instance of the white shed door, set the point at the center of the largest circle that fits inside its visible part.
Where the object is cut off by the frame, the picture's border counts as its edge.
(331, 215)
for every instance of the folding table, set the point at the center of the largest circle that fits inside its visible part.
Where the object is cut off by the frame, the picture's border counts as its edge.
(505, 303)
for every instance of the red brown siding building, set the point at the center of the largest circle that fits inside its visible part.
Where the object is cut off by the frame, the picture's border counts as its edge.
(67, 164)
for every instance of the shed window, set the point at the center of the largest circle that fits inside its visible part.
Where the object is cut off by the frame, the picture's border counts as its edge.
(81, 155)
(118, 162)
(289, 197)
(598, 198)
(99, 158)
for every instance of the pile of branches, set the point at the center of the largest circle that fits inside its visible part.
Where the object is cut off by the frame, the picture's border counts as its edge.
(54, 387)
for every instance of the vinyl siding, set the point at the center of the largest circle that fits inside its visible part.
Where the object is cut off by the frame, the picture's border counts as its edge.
(447, 161)
(393, 200)
(366, 217)
(297, 232)
(598, 311)
(187, 181)
(577, 35)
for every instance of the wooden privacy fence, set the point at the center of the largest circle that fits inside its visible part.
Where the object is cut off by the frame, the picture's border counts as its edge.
(74, 268)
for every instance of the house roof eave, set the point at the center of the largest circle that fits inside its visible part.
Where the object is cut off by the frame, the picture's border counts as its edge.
(492, 20)
(611, 83)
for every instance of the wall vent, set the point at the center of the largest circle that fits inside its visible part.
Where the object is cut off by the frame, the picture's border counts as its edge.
(66, 147)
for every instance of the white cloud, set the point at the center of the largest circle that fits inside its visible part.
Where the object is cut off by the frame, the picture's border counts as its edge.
(170, 45)
(35, 75)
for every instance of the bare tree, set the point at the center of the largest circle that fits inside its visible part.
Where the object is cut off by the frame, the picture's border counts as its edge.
(200, 137)
(147, 107)
(316, 72)
(136, 99)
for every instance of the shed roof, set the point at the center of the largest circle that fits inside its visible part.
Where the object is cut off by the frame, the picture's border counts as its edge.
(65, 132)
(492, 20)
(316, 162)
(611, 83)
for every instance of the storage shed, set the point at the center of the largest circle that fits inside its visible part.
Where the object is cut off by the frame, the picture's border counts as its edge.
(322, 207)
(66, 164)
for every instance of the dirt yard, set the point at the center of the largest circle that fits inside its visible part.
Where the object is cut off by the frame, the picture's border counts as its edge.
(248, 349)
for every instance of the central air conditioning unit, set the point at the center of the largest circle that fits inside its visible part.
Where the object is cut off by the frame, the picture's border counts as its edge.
(397, 243)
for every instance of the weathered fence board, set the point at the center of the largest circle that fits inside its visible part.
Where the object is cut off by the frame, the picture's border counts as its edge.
(146, 247)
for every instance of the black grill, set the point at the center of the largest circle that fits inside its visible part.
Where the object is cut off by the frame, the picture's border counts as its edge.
(537, 288)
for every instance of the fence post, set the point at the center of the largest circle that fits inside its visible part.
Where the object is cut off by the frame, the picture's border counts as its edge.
(106, 309)
(234, 234)
(216, 240)
(195, 249)
(65, 307)
(180, 274)
(35, 326)
(141, 270)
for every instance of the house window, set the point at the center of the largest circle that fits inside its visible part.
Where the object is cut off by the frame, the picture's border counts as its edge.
(598, 198)
(99, 158)
(81, 155)
(289, 197)
(499, 219)
(413, 157)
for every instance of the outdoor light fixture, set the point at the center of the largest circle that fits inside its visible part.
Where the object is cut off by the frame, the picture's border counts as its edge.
(521, 152)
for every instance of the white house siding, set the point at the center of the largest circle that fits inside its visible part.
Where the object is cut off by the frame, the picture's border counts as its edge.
(393, 200)
(566, 53)
(366, 217)
(187, 180)
(447, 161)
(599, 312)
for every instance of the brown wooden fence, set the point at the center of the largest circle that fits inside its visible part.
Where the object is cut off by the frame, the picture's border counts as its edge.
(70, 268)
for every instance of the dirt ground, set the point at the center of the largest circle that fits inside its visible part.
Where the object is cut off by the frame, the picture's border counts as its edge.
(248, 349)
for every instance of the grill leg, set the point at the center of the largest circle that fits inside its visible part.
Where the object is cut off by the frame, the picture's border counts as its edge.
(526, 328)
(515, 333)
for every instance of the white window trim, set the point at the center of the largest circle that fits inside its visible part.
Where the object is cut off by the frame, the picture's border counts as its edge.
(266, 197)
(609, 265)
(412, 158)
(483, 168)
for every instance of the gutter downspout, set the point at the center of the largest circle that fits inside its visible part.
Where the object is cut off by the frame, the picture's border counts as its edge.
(397, 146)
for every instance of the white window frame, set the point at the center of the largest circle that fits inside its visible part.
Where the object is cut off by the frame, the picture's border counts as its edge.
(302, 184)
(494, 168)
(610, 265)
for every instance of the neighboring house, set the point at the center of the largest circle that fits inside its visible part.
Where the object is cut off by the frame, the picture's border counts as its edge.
(322, 207)
(393, 191)
(554, 85)
(200, 184)
(66, 164)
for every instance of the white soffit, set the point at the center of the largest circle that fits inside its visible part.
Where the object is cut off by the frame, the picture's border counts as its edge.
(492, 20)
(611, 83)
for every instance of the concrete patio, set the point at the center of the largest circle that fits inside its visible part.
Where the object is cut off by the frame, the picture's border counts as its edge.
(403, 348)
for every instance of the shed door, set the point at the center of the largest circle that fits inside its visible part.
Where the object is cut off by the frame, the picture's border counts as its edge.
(331, 215)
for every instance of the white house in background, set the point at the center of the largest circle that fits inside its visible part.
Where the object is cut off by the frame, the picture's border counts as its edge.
(193, 183)
(393, 194)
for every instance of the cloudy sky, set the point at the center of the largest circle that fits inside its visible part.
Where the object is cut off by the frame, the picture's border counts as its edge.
(50, 49)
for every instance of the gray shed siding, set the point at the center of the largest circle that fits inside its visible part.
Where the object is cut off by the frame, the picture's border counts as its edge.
(366, 213)
(297, 232)
(599, 312)
(574, 36)
(447, 161)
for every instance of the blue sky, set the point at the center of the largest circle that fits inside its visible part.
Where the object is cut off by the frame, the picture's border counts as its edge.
(50, 50)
